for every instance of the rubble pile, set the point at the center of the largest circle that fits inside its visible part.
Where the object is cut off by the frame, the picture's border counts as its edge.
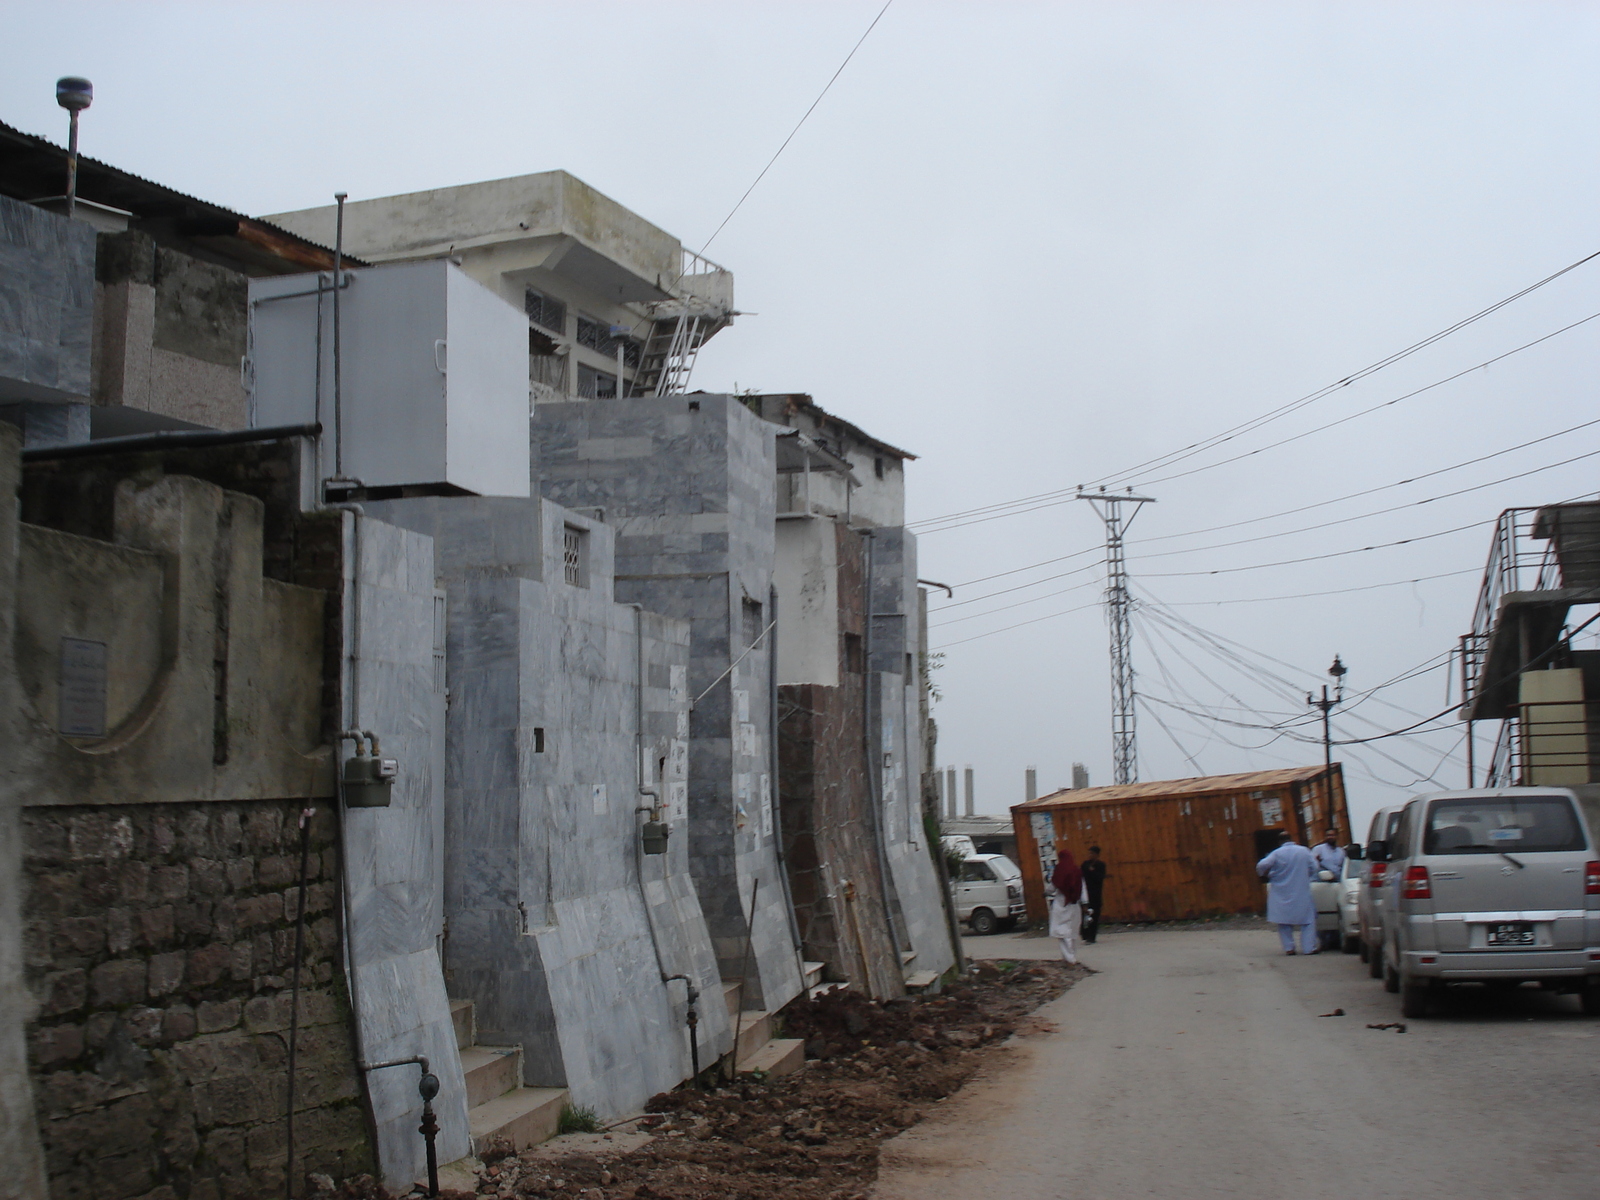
(874, 1071)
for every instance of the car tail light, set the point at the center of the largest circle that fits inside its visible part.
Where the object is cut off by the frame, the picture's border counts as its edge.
(1416, 885)
(1591, 879)
(1375, 876)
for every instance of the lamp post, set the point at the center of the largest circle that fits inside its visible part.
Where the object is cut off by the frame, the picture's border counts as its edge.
(73, 94)
(1326, 704)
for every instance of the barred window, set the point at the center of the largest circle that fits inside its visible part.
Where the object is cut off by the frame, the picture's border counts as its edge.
(595, 385)
(575, 555)
(596, 335)
(545, 311)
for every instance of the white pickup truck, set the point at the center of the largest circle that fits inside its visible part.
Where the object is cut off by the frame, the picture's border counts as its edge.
(988, 891)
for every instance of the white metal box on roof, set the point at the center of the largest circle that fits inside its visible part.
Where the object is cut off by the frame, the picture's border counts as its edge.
(434, 376)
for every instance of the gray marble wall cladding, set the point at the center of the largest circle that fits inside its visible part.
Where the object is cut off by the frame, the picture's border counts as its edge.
(552, 933)
(688, 485)
(895, 682)
(396, 854)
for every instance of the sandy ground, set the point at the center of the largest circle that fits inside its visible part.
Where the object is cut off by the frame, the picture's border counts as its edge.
(1195, 1064)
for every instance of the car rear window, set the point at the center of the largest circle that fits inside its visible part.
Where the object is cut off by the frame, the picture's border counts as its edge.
(1496, 825)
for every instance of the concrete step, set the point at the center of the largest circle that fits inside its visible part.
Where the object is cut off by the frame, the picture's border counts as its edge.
(755, 1030)
(730, 996)
(461, 1018)
(822, 989)
(782, 1056)
(524, 1117)
(491, 1071)
(907, 957)
(922, 981)
(813, 972)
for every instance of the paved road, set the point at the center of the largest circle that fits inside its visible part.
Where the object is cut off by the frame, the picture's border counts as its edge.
(1195, 1065)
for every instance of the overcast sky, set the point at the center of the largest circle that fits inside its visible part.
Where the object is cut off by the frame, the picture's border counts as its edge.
(1036, 244)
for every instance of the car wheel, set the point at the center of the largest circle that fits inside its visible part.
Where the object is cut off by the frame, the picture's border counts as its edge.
(1375, 961)
(1414, 998)
(1350, 944)
(1391, 979)
(983, 922)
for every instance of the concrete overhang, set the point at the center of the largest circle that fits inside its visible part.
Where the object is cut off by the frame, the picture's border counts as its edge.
(797, 452)
(1526, 626)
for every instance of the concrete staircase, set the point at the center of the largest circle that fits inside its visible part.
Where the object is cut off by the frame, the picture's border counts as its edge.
(498, 1106)
(758, 1050)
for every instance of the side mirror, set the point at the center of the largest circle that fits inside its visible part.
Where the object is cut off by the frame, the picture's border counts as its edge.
(1326, 876)
(1378, 851)
(1353, 850)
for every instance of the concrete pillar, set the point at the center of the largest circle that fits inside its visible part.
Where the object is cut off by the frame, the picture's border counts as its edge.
(950, 794)
(1080, 775)
(1030, 789)
(969, 792)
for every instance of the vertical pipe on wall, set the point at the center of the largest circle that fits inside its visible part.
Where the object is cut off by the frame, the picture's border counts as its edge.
(774, 797)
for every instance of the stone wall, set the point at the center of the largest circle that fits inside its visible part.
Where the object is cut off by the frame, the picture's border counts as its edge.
(159, 942)
(46, 304)
(688, 483)
(828, 832)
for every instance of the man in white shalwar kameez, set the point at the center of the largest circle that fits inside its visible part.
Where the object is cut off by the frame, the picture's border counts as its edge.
(1289, 870)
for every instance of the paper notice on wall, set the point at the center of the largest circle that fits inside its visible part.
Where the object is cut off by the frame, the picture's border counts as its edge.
(600, 803)
(741, 800)
(765, 800)
(747, 739)
(678, 682)
(1044, 837)
(741, 704)
(1272, 811)
(678, 759)
(677, 801)
(683, 724)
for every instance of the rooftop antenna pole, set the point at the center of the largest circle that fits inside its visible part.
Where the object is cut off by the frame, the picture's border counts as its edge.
(338, 272)
(1119, 610)
(73, 94)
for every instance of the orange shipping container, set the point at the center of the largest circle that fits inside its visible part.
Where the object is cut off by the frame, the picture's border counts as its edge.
(1181, 847)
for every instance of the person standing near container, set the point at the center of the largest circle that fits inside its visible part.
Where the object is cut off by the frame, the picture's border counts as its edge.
(1289, 870)
(1066, 906)
(1094, 882)
(1327, 853)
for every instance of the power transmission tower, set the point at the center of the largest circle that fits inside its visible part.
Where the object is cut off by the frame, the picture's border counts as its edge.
(1119, 609)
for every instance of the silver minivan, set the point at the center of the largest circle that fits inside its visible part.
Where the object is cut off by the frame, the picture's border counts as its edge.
(1497, 886)
(1369, 905)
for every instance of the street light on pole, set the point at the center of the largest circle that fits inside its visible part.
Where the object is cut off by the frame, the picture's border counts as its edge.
(1326, 704)
(73, 94)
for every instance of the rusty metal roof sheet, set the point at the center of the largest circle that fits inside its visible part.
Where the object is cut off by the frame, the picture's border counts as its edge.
(1163, 788)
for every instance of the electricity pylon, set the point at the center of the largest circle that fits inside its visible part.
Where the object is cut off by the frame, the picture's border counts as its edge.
(1119, 609)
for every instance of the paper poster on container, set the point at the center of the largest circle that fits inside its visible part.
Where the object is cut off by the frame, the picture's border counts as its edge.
(741, 800)
(1044, 837)
(683, 724)
(677, 801)
(741, 704)
(747, 739)
(765, 800)
(1272, 811)
(678, 759)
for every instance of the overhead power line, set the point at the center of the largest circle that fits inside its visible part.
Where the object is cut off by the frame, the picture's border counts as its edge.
(991, 512)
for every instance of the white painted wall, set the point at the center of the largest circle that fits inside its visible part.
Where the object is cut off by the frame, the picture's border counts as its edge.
(807, 579)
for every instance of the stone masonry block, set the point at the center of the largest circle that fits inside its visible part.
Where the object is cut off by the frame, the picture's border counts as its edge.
(75, 936)
(177, 1024)
(165, 973)
(52, 1044)
(118, 982)
(63, 992)
(119, 930)
(155, 926)
(170, 883)
(209, 963)
(218, 1015)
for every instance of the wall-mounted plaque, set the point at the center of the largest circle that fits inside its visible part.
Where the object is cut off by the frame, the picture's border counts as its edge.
(83, 688)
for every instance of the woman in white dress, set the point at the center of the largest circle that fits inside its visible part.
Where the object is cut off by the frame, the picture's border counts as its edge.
(1066, 906)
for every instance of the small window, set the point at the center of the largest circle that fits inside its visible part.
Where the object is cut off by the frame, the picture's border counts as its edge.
(545, 311)
(575, 555)
(753, 624)
(852, 652)
(538, 739)
(595, 385)
(910, 669)
(877, 466)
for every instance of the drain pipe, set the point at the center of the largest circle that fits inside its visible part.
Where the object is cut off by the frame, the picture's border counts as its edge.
(294, 995)
(427, 1088)
(654, 809)
(874, 791)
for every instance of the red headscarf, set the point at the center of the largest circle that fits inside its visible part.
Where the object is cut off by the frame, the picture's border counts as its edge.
(1068, 879)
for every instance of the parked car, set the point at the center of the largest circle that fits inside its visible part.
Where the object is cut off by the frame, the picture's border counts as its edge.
(1498, 886)
(1350, 900)
(988, 892)
(1369, 908)
(1325, 890)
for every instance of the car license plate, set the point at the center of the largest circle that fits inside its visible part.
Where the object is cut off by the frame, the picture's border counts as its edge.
(1512, 933)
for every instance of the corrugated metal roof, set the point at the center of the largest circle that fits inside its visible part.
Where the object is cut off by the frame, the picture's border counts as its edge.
(32, 167)
(1159, 789)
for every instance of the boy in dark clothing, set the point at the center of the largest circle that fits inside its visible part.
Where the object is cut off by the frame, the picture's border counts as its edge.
(1094, 878)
